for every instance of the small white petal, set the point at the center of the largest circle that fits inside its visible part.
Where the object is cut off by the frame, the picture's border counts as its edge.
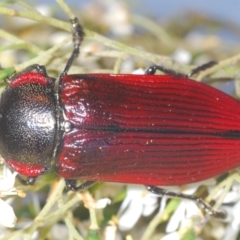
(233, 219)
(139, 71)
(163, 205)
(231, 197)
(182, 56)
(131, 208)
(7, 172)
(236, 187)
(125, 204)
(230, 233)
(8, 180)
(110, 232)
(137, 202)
(134, 192)
(150, 203)
(7, 215)
(176, 218)
(44, 9)
(129, 218)
(191, 209)
(236, 221)
(171, 236)
(148, 210)
(102, 203)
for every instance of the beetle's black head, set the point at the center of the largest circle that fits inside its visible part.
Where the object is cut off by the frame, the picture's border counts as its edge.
(28, 123)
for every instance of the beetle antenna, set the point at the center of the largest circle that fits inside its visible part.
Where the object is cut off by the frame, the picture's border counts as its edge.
(78, 34)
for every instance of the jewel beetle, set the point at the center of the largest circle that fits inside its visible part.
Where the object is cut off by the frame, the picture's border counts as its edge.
(156, 130)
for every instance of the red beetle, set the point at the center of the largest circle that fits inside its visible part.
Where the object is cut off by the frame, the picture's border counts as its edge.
(145, 129)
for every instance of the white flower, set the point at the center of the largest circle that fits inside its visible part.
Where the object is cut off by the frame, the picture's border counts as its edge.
(7, 181)
(233, 216)
(7, 216)
(183, 213)
(187, 209)
(117, 14)
(99, 204)
(102, 203)
(137, 202)
(182, 56)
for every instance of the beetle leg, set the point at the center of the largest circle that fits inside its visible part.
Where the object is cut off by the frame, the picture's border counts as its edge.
(72, 185)
(38, 68)
(201, 68)
(199, 201)
(31, 180)
(77, 32)
(27, 181)
(152, 70)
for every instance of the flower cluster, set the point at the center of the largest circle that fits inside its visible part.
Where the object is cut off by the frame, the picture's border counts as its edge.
(7, 181)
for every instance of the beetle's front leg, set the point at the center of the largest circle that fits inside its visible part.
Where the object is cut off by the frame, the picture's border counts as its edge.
(27, 181)
(32, 180)
(78, 34)
(35, 67)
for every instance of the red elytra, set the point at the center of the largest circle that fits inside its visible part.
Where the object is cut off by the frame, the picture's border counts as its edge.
(153, 130)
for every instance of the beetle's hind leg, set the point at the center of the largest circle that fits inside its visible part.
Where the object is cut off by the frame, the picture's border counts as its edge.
(207, 208)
